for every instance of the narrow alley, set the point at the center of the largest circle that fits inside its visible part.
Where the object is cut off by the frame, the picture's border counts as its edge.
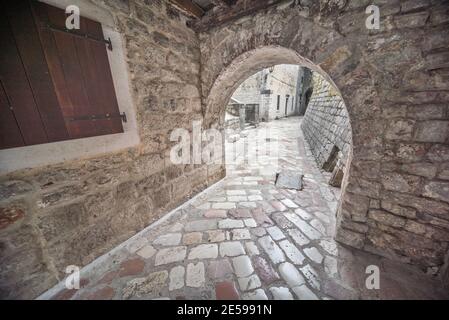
(243, 238)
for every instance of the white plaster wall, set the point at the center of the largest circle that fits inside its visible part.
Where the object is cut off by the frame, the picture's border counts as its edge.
(282, 81)
(56, 152)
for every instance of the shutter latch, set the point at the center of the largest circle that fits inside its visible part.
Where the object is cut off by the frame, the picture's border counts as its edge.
(123, 116)
(107, 41)
(93, 117)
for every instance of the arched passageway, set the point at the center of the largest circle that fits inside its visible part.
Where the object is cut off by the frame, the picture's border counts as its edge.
(251, 238)
(390, 204)
(249, 63)
(326, 126)
(66, 204)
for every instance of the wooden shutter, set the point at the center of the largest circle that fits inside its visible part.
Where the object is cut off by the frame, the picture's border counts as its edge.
(10, 136)
(55, 85)
(17, 88)
(27, 41)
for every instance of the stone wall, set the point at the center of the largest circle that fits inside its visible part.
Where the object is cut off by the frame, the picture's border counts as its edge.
(326, 125)
(395, 197)
(249, 91)
(72, 212)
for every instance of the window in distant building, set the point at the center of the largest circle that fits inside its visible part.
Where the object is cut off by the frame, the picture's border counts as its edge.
(279, 103)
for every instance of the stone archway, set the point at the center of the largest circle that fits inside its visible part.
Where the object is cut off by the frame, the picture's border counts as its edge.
(246, 65)
(389, 206)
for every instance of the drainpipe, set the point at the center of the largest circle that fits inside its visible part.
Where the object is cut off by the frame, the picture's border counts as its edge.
(298, 91)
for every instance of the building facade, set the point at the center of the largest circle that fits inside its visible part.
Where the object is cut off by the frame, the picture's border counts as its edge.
(273, 89)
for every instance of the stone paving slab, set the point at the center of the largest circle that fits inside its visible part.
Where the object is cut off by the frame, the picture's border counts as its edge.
(289, 179)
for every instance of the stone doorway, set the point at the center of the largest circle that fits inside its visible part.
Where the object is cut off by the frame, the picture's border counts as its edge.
(307, 98)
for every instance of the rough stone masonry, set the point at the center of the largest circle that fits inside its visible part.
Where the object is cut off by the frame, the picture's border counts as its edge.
(395, 196)
(327, 128)
(71, 213)
(394, 82)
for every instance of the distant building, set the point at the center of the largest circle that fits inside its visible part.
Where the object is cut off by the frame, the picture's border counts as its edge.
(271, 91)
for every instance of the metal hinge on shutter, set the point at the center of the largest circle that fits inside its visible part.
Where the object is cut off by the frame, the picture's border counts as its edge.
(93, 117)
(80, 35)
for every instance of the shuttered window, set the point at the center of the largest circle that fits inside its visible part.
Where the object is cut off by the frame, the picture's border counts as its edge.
(54, 85)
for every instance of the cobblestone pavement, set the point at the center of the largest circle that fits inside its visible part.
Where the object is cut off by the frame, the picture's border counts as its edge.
(246, 239)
